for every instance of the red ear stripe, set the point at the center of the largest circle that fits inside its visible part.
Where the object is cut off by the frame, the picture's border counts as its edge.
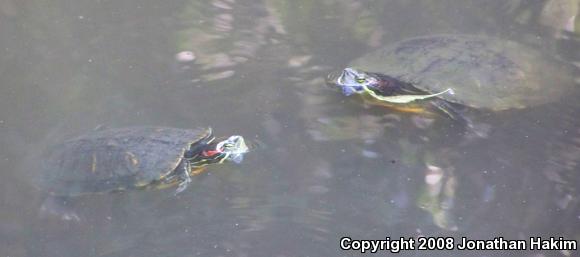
(210, 153)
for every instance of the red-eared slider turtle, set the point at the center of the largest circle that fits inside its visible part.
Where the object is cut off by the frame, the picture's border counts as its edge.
(132, 158)
(442, 72)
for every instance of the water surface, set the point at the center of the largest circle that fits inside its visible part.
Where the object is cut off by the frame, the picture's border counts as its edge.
(329, 166)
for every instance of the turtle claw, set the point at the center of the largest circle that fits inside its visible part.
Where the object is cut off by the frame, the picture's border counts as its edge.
(182, 186)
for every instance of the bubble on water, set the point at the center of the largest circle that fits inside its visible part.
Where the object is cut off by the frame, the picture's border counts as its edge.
(222, 5)
(185, 56)
(434, 175)
(369, 154)
(218, 75)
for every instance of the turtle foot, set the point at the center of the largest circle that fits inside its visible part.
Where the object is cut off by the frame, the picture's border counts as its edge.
(478, 130)
(59, 208)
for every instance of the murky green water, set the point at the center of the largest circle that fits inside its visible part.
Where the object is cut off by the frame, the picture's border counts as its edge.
(329, 166)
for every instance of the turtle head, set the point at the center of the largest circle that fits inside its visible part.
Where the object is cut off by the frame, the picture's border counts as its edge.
(232, 149)
(209, 150)
(352, 81)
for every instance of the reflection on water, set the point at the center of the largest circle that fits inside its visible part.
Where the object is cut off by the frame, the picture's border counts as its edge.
(330, 166)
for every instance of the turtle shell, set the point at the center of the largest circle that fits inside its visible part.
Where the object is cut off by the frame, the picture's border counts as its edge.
(115, 159)
(483, 72)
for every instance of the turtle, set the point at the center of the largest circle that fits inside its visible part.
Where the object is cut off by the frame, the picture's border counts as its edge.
(120, 159)
(448, 74)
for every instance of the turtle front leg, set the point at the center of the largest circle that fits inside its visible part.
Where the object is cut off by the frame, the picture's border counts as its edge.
(184, 177)
(59, 207)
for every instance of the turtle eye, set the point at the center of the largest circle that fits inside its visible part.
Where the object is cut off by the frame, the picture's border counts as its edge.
(226, 145)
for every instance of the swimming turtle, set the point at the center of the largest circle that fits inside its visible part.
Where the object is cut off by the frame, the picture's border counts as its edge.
(448, 72)
(132, 158)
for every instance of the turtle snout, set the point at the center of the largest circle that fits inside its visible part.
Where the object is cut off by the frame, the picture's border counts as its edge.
(333, 78)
